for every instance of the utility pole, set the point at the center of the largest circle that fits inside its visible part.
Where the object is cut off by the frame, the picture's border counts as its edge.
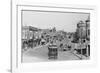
(81, 44)
(86, 39)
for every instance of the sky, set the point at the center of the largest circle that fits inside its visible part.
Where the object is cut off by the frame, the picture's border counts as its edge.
(44, 20)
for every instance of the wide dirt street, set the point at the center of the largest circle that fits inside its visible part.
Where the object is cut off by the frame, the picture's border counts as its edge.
(40, 54)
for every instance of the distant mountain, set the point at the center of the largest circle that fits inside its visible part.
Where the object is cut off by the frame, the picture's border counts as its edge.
(31, 28)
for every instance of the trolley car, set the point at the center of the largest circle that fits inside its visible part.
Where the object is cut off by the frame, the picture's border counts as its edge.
(53, 51)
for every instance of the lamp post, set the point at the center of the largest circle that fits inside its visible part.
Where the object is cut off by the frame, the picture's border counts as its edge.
(87, 26)
(81, 44)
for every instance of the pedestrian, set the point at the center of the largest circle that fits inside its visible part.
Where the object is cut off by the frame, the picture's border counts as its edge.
(61, 46)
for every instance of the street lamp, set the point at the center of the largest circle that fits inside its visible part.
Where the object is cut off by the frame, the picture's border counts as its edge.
(87, 26)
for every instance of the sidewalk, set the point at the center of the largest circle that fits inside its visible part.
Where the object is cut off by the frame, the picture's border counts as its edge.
(80, 56)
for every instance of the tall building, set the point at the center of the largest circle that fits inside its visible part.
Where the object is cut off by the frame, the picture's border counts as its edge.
(81, 29)
(83, 33)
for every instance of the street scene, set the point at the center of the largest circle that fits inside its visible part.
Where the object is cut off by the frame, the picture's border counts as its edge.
(48, 36)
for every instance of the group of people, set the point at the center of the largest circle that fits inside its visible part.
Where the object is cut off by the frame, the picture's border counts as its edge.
(34, 42)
